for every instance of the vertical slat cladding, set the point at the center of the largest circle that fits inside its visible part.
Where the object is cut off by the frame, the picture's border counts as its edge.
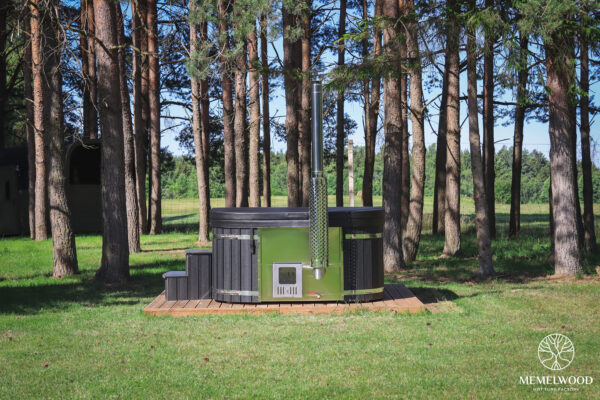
(204, 288)
(245, 265)
(236, 265)
(377, 260)
(182, 292)
(363, 259)
(192, 269)
(227, 264)
(368, 261)
(254, 258)
(171, 289)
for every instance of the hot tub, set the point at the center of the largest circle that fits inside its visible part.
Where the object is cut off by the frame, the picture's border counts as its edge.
(243, 264)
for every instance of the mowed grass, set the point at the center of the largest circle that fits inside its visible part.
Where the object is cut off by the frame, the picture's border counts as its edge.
(74, 338)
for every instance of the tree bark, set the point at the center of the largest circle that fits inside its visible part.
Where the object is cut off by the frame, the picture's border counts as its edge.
(205, 123)
(115, 254)
(405, 200)
(291, 110)
(372, 96)
(140, 107)
(414, 224)
(3, 90)
(488, 126)
(392, 158)
(197, 130)
(154, 111)
(350, 173)
(254, 120)
(305, 102)
(517, 164)
(227, 98)
(63, 238)
(586, 161)
(88, 61)
(29, 127)
(41, 200)
(132, 208)
(559, 79)
(486, 268)
(340, 132)
(266, 117)
(239, 126)
(452, 217)
(439, 190)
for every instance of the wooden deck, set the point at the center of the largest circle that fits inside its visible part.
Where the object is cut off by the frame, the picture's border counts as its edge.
(397, 298)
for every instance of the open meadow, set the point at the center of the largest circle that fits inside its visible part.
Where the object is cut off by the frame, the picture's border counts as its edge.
(74, 338)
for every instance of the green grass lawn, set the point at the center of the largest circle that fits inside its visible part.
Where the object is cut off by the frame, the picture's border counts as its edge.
(74, 338)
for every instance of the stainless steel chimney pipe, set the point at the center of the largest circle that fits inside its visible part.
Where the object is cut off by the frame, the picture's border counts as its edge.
(318, 218)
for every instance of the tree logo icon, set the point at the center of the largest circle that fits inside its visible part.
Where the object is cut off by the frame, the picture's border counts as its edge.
(556, 352)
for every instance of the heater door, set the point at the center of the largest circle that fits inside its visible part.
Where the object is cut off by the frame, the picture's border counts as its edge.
(287, 280)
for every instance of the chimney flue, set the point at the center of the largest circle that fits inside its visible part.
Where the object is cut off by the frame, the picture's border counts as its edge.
(318, 218)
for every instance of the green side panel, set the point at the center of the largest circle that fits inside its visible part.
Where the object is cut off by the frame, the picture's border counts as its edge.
(291, 245)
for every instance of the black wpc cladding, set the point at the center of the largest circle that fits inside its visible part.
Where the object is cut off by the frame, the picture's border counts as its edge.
(195, 282)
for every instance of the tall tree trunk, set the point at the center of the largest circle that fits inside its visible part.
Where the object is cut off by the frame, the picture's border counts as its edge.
(227, 98)
(452, 218)
(488, 126)
(29, 128)
(266, 117)
(372, 96)
(205, 123)
(88, 64)
(305, 101)
(254, 120)
(559, 79)
(133, 231)
(239, 126)
(573, 114)
(414, 224)
(340, 131)
(41, 199)
(291, 109)
(486, 268)
(63, 238)
(3, 91)
(140, 107)
(586, 161)
(405, 200)
(517, 164)
(115, 254)
(392, 158)
(197, 129)
(439, 190)
(154, 111)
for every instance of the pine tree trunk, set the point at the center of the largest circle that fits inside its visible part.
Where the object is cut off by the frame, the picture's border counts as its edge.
(227, 98)
(489, 173)
(340, 132)
(266, 117)
(254, 120)
(133, 231)
(205, 109)
(154, 111)
(197, 130)
(41, 199)
(305, 102)
(3, 91)
(63, 238)
(392, 157)
(486, 268)
(403, 10)
(515, 189)
(567, 260)
(573, 124)
(439, 190)
(291, 110)
(586, 161)
(372, 108)
(414, 224)
(452, 217)
(239, 126)
(115, 254)
(28, 92)
(88, 66)
(140, 106)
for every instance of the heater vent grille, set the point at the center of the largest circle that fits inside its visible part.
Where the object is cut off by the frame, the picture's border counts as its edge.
(287, 280)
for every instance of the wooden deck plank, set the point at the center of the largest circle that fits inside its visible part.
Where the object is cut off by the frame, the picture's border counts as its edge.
(397, 298)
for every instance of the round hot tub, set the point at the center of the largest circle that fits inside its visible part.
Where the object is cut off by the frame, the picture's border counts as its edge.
(236, 265)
